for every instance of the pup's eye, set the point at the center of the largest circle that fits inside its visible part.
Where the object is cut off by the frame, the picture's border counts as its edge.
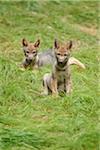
(33, 52)
(58, 54)
(27, 51)
(65, 54)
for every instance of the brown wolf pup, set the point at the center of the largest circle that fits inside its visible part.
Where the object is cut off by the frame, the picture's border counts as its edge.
(30, 52)
(60, 78)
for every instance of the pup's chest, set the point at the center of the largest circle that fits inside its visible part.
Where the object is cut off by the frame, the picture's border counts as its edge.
(34, 62)
(61, 76)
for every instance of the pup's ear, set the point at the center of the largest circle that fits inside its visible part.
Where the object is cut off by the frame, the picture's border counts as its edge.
(24, 42)
(69, 45)
(56, 44)
(37, 43)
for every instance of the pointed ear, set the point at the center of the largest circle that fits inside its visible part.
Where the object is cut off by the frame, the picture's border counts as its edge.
(37, 43)
(69, 45)
(24, 42)
(56, 44)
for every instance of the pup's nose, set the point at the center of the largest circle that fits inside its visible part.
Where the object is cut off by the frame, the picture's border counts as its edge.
(30, 59)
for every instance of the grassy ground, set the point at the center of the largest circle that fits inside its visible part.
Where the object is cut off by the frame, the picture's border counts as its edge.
(29, 121)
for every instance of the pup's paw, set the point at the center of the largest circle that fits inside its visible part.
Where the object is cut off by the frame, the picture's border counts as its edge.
(21, 67)
(55, 94)
(44, 93)
(81, 67)
(69, 91)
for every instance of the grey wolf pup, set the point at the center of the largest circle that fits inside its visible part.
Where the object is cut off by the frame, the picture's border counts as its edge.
(60, 78)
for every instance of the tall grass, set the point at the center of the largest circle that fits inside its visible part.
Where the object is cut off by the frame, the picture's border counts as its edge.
(29, 120)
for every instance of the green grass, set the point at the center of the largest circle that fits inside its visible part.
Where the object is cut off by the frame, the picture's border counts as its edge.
(29, 121)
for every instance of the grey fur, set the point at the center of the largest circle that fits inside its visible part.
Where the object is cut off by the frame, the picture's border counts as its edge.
(46, 57)
(41, 59)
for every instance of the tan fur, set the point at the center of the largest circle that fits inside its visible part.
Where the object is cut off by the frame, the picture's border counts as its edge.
(74, 61)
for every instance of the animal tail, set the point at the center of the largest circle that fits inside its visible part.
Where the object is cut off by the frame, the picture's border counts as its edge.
(74, 61)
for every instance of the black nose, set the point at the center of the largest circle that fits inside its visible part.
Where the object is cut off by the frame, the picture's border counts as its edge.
(29, 61)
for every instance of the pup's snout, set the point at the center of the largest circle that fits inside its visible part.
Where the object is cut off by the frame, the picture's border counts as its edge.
(61, 59)
(30, 56)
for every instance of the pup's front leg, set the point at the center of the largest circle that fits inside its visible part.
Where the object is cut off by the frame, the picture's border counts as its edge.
(45, 85)
(68, 85)
(24, 65)
(35, 66)
(54, 86)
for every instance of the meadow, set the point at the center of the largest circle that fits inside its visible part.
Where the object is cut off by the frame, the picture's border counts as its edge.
(29, 120)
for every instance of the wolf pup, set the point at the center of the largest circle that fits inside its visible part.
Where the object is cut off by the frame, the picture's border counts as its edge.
(60, 78)
(33, 58)
(30, 52)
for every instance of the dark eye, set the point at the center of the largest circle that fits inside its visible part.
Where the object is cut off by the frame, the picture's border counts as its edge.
(58, 54)
(27, 51)
(33, 52)
(65, 55)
